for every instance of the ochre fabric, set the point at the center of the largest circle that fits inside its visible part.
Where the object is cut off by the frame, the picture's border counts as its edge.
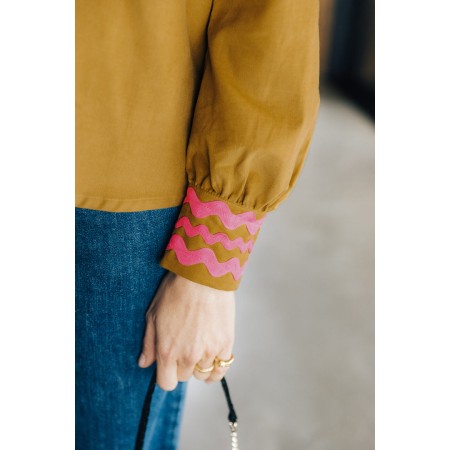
(220, 96)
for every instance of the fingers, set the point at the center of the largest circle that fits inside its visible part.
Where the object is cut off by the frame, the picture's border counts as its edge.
(148, 353)
(206, 362)
(167, 377)
(186, 365)
(219, 372)
(171, 371)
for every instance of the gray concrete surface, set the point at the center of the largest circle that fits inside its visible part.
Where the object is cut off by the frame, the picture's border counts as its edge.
(304, 372)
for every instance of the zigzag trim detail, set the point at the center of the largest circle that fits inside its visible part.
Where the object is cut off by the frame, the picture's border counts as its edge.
(209, 238)
(206, 256)
(218, 207)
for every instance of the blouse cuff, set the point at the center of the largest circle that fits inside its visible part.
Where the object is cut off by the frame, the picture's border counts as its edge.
(211, 240)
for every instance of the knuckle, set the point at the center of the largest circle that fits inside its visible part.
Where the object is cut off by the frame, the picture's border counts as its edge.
(149, 315)
(192, 357)
(146, 347)
(228, 342)
(224, 345)
(215, 351)
(189, 360)
(209, 354)
(165, 352)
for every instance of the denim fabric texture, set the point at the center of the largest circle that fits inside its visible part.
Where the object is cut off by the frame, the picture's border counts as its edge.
(117, 274)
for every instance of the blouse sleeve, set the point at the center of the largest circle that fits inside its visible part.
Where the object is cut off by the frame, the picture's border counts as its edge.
(251, 130)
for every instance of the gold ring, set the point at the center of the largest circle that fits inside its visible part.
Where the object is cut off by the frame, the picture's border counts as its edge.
(222, 363)
(209, 369)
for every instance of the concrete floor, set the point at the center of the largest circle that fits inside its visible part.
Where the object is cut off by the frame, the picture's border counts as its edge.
(303, 378)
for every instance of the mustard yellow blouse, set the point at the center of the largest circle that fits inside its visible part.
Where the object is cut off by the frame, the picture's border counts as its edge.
(206, 103)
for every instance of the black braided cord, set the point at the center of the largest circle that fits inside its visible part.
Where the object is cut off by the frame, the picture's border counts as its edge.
(232, 417)
(145, 413)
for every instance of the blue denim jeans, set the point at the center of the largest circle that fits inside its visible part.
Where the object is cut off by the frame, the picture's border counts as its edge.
(117, 275)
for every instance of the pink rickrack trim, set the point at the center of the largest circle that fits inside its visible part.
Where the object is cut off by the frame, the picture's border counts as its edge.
(210, 238)
(220, 208)
(206, 256)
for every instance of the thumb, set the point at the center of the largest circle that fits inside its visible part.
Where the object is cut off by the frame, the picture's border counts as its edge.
(148, 354)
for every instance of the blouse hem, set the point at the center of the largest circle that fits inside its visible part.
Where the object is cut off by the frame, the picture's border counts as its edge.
(127, 205)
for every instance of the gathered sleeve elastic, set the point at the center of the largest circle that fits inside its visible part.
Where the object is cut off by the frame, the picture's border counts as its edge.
(251, 130)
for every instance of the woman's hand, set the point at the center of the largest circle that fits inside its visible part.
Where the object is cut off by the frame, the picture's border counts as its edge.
(188, 324)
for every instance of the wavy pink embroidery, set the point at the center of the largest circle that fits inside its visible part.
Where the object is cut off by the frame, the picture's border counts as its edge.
(206, 256)
(220, 208)
(210, 238)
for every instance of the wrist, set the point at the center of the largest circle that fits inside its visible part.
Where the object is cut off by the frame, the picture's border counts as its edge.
(193, 291)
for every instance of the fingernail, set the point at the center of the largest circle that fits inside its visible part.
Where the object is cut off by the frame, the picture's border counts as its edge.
(142, 359)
